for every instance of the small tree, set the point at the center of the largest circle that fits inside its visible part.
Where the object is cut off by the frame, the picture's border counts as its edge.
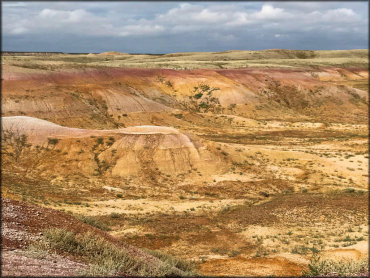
(13, 143)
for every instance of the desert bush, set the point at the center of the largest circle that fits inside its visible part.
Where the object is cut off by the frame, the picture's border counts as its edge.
(53, 141)
(346, 268)
(179, 116)
(349, 190)
(99, 141)
(104, 258)
(94, 222)
(304, 54)
(219, 250)
(198, 95)
(264, 194)
(261, 252)
(300, 249)
(114, 215)
(234, 253)
(186, 266)
(13, 143)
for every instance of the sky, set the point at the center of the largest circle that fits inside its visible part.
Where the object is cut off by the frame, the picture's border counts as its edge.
(168, 27)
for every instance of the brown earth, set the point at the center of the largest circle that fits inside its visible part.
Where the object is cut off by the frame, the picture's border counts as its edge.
(243, 164)
(22, 224)
(110, 97)
(252, 267)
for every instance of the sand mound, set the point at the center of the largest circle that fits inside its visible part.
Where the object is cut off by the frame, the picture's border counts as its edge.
(39, 130)
(131, 150)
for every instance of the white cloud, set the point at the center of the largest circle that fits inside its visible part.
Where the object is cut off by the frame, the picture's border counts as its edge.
(340, 15)
(269, 12)
(183, 18)
(231, 22)
(18, 30)
(45, 13)
(143, 29)
(208, 16)
(73, 16)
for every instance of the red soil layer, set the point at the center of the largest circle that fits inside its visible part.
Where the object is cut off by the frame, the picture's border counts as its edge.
(62, 95)
(145, 73)
(28, 221)
(251, 78)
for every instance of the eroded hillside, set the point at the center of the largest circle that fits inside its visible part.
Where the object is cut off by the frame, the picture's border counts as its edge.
(113, 97)
(241, 159)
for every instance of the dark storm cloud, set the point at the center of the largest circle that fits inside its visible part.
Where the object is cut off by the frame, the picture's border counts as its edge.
(162, 27)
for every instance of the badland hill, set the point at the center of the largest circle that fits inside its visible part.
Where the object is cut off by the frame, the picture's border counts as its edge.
(232, 159)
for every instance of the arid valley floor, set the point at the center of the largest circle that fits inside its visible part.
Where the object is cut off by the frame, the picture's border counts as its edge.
(244, 162)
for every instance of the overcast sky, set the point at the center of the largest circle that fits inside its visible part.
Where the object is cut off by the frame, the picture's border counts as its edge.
(164, 27)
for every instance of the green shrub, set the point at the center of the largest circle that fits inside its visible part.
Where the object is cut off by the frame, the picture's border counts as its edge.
(99, 141)
(53, 141)
(114, 215)
(349, 190)
(300, 249)
(234, 253)
(198, 95)
(204, 87)
(204, 105)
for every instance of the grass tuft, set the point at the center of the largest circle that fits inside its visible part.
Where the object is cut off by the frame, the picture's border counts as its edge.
(186, 266)
(320, 267)
(94, 222)
(104, 257)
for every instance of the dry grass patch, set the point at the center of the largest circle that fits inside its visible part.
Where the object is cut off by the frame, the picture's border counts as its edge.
(105, 258)
(330, 268)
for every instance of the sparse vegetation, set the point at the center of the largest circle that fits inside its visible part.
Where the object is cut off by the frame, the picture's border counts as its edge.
(53, 141)
(93, 222)
(105, 258)
(349, 268)
(349, 190)
(13, 143)
(263, 162)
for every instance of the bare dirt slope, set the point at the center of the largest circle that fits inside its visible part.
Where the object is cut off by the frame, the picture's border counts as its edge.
(108, 97)
(24, 223)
